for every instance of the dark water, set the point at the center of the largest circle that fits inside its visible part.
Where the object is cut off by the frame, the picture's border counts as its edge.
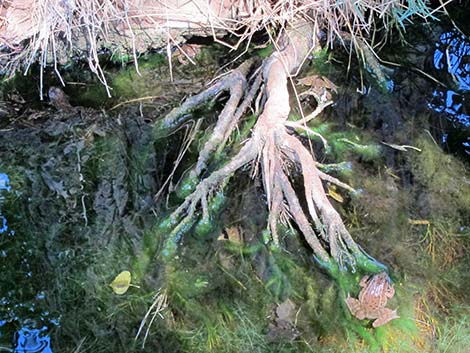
(32, 335)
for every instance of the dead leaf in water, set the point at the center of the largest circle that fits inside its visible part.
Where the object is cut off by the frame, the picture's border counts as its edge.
(283, 327)
(334, 195)
(122, 282)
(423, 222)
(286, 311)
(317, 81)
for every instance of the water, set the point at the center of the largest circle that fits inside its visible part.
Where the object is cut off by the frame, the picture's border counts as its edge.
(4, 185)
(29, 338)
(452, 61)
(80, 263)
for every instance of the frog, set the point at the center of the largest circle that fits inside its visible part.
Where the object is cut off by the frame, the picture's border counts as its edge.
(187, 53)
(59, 99)
(376, 291)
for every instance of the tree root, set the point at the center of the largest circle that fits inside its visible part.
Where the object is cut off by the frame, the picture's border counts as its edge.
(275, 149)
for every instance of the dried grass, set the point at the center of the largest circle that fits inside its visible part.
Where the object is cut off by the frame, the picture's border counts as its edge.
(37, 30)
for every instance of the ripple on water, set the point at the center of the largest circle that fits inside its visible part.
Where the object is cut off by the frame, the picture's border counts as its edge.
(4, 185)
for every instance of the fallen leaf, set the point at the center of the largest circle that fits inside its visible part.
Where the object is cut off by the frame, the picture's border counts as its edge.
(334, 195)
(423, 222)
(122, 282)
(317, 81)
(234, 235)
(403, 148)
(286, 311)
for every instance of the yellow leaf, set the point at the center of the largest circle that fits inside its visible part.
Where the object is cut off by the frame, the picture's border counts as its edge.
(334, 195)
(121, 283)
(424, 222)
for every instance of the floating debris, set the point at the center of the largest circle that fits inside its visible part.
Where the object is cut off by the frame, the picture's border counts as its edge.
(122, 282)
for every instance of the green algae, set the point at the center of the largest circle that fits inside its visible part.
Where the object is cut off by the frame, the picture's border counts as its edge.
(342, 144)
(206, 226)
(444, 179)
(187, 186)
(219, 300)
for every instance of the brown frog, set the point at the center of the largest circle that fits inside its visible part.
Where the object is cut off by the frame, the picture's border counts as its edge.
(59, 99)
(187, 52)
(376, 291)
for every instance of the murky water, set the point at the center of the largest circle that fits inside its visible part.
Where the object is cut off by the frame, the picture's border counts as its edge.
(29, 337)
(81, 208)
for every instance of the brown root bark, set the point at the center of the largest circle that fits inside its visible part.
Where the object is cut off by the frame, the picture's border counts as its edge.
(276, 149)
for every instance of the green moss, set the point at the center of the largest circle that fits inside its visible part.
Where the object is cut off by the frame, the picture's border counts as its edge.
(208, 225)
(343, 169)
(265, 52)
(121, 57)
(187, 186)
(174, 237)
(321, 62)
(368, 152)
(443, 181)
(128, 83)
(343, 144)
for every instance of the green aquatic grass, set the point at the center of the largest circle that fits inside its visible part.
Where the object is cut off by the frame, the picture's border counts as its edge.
(454, 335)
(343, 144)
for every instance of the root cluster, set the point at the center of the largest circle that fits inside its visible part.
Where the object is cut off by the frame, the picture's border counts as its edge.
(275, 150)
(52, 31)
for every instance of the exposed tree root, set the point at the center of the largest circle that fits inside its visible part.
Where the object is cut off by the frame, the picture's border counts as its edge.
(273, 147)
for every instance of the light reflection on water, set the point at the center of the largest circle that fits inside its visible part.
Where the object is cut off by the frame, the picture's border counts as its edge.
(452, 55)
(29, 338)
(32, 340)
(4, 185)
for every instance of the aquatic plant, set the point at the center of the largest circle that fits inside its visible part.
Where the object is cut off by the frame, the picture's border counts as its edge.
(205, 296)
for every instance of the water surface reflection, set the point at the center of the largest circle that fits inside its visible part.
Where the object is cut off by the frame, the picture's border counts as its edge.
(452, 58)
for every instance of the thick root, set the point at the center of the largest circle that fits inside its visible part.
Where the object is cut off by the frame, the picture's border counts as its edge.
(274, 147)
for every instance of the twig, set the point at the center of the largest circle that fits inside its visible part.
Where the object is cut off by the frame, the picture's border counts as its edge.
(140, 99)
(159, 304)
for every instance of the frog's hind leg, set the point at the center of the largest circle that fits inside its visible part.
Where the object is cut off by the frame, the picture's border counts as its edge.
(385, 315)
(355, 307)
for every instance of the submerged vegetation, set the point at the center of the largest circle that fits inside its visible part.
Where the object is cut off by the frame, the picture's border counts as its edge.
(127, 230)
(82, 208)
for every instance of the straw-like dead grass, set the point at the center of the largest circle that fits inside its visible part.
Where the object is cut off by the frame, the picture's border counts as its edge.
(50, 31)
